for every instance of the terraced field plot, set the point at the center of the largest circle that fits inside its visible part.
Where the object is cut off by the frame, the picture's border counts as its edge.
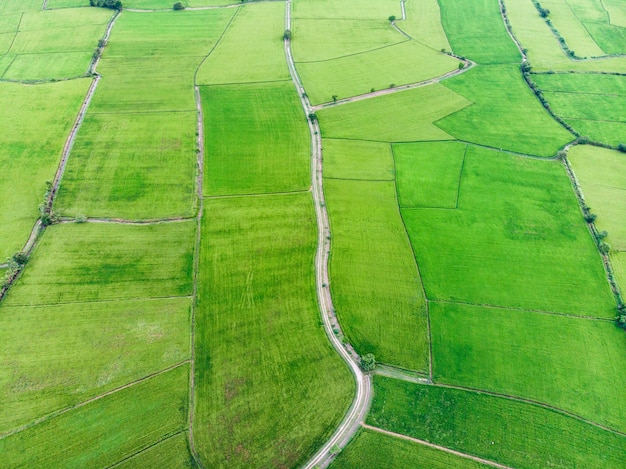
(32, 143)
(513, 433)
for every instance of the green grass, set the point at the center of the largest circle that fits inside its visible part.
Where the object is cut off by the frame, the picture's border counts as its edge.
(157, 4)
(502, 430)
(616, 12)
(32, 143)
(375, 283)
(136, 166)
(602, 176)
(618, 260)
(251, 49)
(81, 262)
(399, 64)
(105, 431)
(348, 9)
(77, 351)
(69, 3)
(517, 240)
(356, 159)
(256, 139)
(13, 6)
(269, 387)
(506, 114)
(423, 23)
(172, 453)
(324, 39)
(56, 44)
(373, 449)
(612, 39)
(476, 30)
(573, 31)
(405, 116)
(571, 363)
(436, 182)
(586, 83)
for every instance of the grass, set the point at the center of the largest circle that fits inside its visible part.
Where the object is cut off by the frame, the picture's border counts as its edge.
(602, 176)
(251, 49)
(470, 38)
(107, 430)
(373, 449)
(502, 430)
(172, 453)
(618, 260)
(32, 142)
(256, 139)
(571, 363)
(436, 184)
(423, 23)
(399, 64)
(505, 115)
(616, 12)
(349, 9)
(269, 388)
(590, 103)
(517, 240)
(82, 262)
(611, 39)
(573, 31)
(77, 351)
(394, 117)
(356, 159)
(375, 283)
(120, 166)
(55, 44)
(324, 39)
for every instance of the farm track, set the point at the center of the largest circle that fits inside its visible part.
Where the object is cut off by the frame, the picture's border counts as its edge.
(215, 7)
(60, 412)
(440, 448)
(122, 221)
(146, 448)
(361, 404)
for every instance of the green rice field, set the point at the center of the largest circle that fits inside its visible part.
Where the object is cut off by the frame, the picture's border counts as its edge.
(358, 160)
(510, 432)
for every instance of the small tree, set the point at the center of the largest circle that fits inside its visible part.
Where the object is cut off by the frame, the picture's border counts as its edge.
(604, 247)
(313, 117)
(392, 18)
(622, 147)
(335, 98)
(20, 258)
(590, 217)
(287, 35)
(178, 6)
(368, 362)
(461, 66)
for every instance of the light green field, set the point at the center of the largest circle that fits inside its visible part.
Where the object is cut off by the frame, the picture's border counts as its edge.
(618, 260)
(81, 262)
(172, 453)
(256, 139)
(483, 39)
(356, 159)
(269, 387)
(436, 183)
(121, 341)
(32, 143)
(590, 103)
(135, 166)
(167, 4)
(69, 4)
(324, 39)
(251, 49)
(517, 240)
(571, 363)
(347, 9)
(398, 117)
(400, 64)
(602, 176)
(502, 430)
(616, 11)
(612, 39)
(423, 23)
(55, 44)
(505, 115)
(573, 30)
(375, 283)
(13, 6)
(373, 449)
(105, 431)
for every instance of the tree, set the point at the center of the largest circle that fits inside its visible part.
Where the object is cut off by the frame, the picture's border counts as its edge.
(178, 6)
(112, 4)
(368, 362)
(622, 147)
(287, 35)
(392, 18)
(335, 98)
(313, 117)
(20, 258)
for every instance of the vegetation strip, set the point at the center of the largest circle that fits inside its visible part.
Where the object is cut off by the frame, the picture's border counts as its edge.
(440, 448)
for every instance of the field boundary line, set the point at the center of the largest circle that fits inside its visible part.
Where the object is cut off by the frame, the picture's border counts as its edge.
(45, 5)
(144, 112)
(259, 194)
(362, 400)
(123, 221)
(353, 54)
(240, 83)
(530, 402)
(91, 69)
(17, 31)
(402, 374)
(146, 448)
(107, 300)
(415, 262)
(358, 179)
(523, 310)
(396, 89)
(58, 413)
(437, 447)
(215, 7)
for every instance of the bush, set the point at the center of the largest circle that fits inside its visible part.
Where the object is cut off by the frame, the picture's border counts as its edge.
(178, 6)
(20, 258)
(392, 18)
(112, 4)
(368, 362)
(604, 247)
(287, 35)
(590, 217)
(622, 147)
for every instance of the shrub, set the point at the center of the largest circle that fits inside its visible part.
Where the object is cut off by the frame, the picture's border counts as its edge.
(622, 147)
(604, 247)
(287, 35)
(368, 362)
(178, 6)
(20, 258)
(590, 217)
(392, 18)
